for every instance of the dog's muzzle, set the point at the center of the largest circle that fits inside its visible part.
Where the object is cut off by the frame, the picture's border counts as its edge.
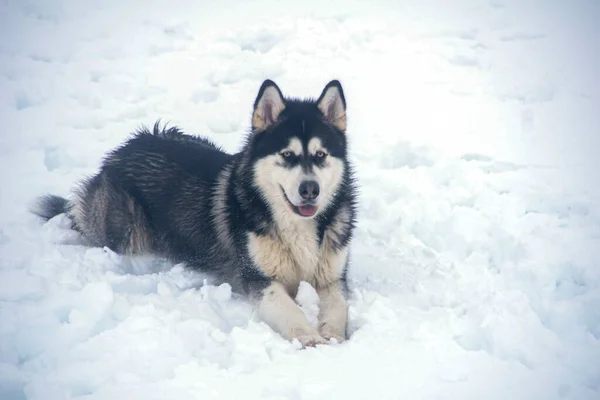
(309, 191)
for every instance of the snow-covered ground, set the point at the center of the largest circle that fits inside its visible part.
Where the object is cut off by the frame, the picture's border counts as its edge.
(473, 125)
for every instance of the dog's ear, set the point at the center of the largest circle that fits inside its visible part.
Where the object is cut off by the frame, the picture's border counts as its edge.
(332, 104)
(268, 105)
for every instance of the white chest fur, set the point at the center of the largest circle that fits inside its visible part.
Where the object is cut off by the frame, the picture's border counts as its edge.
(292, 253)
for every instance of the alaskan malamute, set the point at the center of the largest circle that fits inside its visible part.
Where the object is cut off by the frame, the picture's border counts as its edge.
(280, 211)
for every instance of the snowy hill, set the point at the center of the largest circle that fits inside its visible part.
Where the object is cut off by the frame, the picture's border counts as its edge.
(473, 125)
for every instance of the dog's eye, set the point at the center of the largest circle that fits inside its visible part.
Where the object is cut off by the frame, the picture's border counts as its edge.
(320, 154)
(286, 154)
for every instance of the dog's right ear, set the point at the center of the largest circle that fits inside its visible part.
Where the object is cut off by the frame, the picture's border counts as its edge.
(268, 105)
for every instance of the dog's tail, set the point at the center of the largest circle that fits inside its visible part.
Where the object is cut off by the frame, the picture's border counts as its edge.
(49, 206)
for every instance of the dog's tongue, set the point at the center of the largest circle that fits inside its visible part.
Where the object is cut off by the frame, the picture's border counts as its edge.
(307, 211)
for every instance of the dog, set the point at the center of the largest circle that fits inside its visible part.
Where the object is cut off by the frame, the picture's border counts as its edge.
(279, 211)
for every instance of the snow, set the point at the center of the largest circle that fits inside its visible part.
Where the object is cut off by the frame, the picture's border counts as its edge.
(474, 128)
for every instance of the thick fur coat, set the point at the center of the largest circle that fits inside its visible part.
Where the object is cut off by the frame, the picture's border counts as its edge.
(280, 211)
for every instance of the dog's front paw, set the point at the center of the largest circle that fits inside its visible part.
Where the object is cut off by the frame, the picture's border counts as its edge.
(310, 340)
(329, 332)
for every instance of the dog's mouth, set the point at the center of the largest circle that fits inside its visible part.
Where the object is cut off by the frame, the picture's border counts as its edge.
(304, 210)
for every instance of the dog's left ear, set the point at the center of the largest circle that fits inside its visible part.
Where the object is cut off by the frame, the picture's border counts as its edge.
(332, 104)
(268, 105)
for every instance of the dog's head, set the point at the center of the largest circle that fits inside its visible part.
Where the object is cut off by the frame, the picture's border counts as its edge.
(298, 148)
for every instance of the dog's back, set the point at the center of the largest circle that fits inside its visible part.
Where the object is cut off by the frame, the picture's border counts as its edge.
(148, 191)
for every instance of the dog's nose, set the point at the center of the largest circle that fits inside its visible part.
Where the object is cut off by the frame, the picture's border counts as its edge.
(309, 190)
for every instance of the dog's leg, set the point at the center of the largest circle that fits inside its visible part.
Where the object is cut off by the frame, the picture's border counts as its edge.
(277, 309)
(333, 311)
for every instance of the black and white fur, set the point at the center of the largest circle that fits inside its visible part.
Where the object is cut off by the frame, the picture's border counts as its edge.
(280, 211)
